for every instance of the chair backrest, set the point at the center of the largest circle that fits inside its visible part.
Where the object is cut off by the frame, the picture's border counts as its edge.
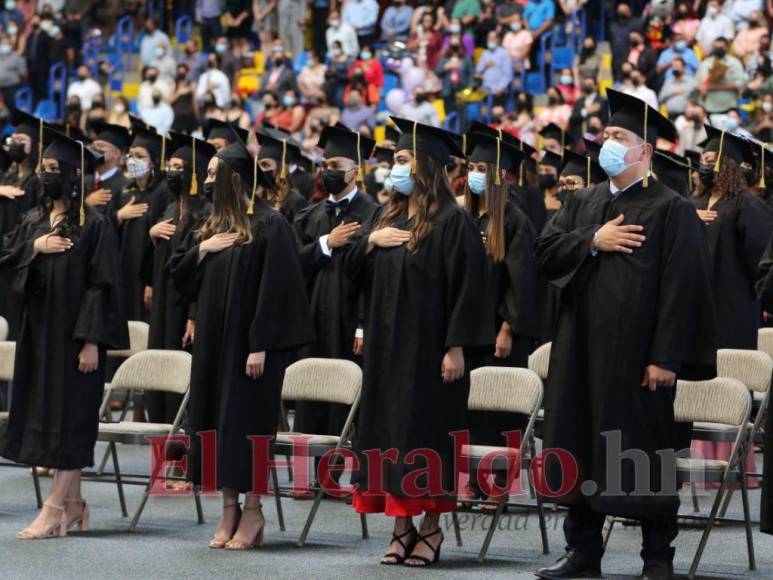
(322, 379)
(154, 370)
(765, 341)
(509, 389)
(7, 357)
(3, 328)
(752, 367)
(721, 400)
(138, 339)
(539, 361)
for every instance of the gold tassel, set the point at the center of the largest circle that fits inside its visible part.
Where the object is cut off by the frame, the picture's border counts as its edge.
(251, 206)
(414, 165)
(497, 180)
(646, 180)
(83, 184)
(762, 165)
(587, 171)
(563, 144)
(283, 171)
(163, 154)
(194, 180)
(520, 168)
(689, 174)
(719, 153)
(360, 176)
(40, 147)
(464, 144)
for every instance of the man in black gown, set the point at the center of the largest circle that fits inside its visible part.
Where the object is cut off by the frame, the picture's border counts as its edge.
(322, 232)
(109, 181)
(631, 259)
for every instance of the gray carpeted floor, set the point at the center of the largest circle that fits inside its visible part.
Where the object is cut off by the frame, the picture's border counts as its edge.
(169, 544)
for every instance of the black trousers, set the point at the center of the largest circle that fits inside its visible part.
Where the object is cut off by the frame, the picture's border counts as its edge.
(583, 533)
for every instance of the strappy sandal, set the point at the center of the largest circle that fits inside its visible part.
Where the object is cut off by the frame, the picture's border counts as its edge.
(82, 521)
(218, 544)
(397, 557)
(256, 542)
(435, 551)
(56, 530)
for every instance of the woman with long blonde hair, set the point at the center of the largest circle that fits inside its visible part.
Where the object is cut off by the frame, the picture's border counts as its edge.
(423, 257)
(242, 271)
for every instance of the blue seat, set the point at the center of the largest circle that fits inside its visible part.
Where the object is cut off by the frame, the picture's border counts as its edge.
(473, 112)
(57, 86)
(300, 61)
(23, 99)
(452, 122)
(47, 110)
(182, 32)
(390, 82)
(561, 57)
(535, 83)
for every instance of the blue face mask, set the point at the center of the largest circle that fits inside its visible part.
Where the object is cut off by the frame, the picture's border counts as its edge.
(612, 157)
(680, 45)
(401, 179)
(476, 182)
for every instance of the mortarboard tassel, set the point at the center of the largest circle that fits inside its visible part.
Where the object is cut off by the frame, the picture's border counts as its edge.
(194, 180)
(163, 154)
(83, 184)
(360, 176)
(587, 171)
(646, 181)
(719, 153)
(464, 144)
(283, 171)
(40, 146)
(520, 169)
(414, 165)
(689, 174)
(762, 165)
(497, 180)
(251, 206)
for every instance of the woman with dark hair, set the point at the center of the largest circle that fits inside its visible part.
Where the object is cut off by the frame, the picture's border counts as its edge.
(276, 156)
(241, 269)
(423, 257)
(63, 259)
(512, 306)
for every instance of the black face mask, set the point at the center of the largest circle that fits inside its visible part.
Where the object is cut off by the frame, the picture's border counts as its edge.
(750, 174)
(547, 181)
(16, 152)
(421, 98)
(209, 190)
(174, 180)
(706, 174)
(270, 177)
(719, 52)
(554, 101)
(52, 184)
(563, 194)
(334, 180)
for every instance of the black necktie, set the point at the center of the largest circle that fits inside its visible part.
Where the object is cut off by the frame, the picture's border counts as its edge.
(331, 206)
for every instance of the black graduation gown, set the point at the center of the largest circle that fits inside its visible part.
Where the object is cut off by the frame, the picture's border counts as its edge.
(335, 307)
(765, 294)
(168, 313)
(68, 299)
(133, 240)
(619, 313)
(303, 182)
(249, 298)
(737, 240)
(116, 183)
(512, 298)
(11, 211)
(422, 303)
(292, 204)
(547, 297)
(531, 201)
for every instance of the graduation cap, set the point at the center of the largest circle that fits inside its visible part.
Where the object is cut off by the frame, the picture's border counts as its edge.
(137, 124)
(432, 141)
(495, 151)
(673, 171)
(117, 135)
(384, 155)
(592, 149)
(391, 133)
(553, 131)
(338, 141)
(240, 161)
(528, 150)
(723, 143)
(150, 140)
(73, 153)
(195, 152)
(278, 146)
(69, 131)
(217, 129)
(764, 156)
(26, 124)
(552, 160)
(306, 163)
(584, 166)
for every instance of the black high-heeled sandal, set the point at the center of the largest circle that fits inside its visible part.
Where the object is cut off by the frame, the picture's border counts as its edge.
(400, 558)
(435, 551)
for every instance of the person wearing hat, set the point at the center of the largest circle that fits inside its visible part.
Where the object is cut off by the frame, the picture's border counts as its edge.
(323, 232)
(555, 139)
(241, 270)
(548, 170)
(63, 259)
(673, 171)
(423, 257)
(738, 226)
(220, 134)
(633, 267)
(276, 156)
(374, 180)
(169, 324)
(111, 141)
(509, 239)
(19, 190)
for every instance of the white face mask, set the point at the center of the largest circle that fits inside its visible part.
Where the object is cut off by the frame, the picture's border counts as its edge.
(767, 106)
(380, 174)
(137, 167)
(120, 109)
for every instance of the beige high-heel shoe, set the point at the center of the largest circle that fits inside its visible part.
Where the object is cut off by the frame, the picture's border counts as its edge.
(219, 543)
(257, 541)
(56, 530)
(82, 521)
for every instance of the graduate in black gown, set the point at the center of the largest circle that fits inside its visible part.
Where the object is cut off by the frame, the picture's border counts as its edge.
(765, 295)
(374, 180)
(241, 269)
(738, 226)
(63, 258)
(19, 191)
(111, 141)
(220, 134)
(512, 309)
(323, 231)
(171, 323)
(633, 266)
(423, 257)
(277, 153)
(673, 171)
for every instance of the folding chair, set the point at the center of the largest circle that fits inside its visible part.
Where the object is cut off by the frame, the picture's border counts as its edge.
(327, 381)
(7, 359)
(724, 401)
(3, 328)
(138, 341)
(539, 362)
(151, 370)
(512, 390)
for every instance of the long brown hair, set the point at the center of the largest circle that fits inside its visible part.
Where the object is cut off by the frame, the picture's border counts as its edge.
(730, 180)
(432, 191)
(496, 202)
(229, 207)
(277, 195)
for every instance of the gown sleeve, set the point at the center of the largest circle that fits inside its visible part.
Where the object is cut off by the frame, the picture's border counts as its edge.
(519, 307)
(18, 253)
(102, 316)
(311, 256)
(764, 284)
(684, 335)
(755, 223)
(282, 316)
(562, 249)
(465, 270)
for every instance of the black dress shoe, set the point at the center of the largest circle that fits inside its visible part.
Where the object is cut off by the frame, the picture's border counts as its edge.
(572, 565)
(657, 571)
